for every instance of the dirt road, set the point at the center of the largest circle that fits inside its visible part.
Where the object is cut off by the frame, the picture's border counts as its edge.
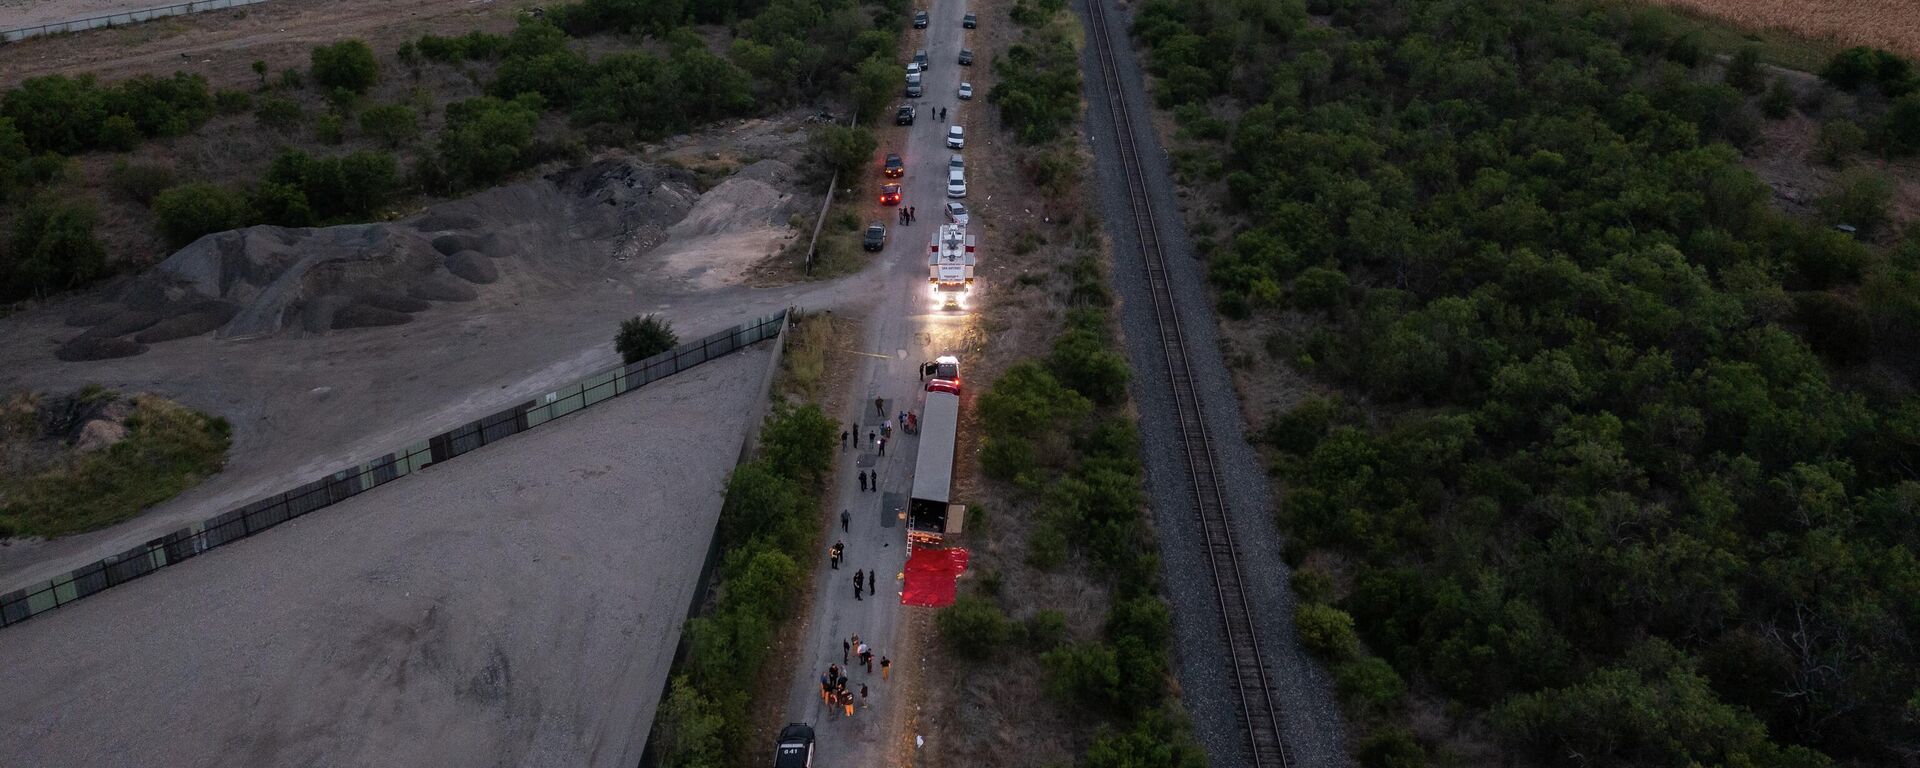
(224, 44)
(902, 331)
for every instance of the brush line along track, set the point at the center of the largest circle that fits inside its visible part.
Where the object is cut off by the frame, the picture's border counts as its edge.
(1259, 711)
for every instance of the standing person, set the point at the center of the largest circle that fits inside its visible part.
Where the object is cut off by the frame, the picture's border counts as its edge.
(839, 550)
(873, 583)
(845, 648)
(863, 488)
(843, 439)
(873, 479)
(885, 665)
(873, 437)
(883, 446)
(846, 698)
(866, 657)
(845, 519)
(879, 405)
(863, 694)
(859, 582)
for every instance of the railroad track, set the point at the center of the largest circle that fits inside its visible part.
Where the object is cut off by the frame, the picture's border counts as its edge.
(1259, 711)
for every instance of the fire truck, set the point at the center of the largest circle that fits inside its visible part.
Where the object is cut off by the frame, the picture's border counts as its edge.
(950, 262)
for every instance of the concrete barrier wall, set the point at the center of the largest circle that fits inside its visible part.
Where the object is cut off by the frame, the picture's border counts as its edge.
(186, 543)
(120, 19)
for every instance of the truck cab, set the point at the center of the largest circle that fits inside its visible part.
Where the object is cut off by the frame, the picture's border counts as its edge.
(944, 374)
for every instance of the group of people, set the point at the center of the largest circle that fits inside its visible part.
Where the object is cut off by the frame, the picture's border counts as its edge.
(907, 215)
(878, 437)
(869, 480)
(834, 684)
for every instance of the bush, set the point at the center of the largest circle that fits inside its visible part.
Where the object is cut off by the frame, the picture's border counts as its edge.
(1392, 747)
(279, 113)
(330, 129)
(1900, 127)
(1778, 103)
(1046, 630)
(395, 125)
(1085, 362)
(1851, 69)
(119, 133)
(347, 64)
(487, 138)
(1743, 70)
(1320, 288)
(973, 626)
(1084, 675)
(1326, 630)
(643, 337)
(797, 442)
(139, 183)
(232, 102)
(168, 449)
(1369, 683)
(1837, 140)
(52, 248)
(1861, 197)
(838, 147)
(350, 187)
(874, 84)
(190, 211)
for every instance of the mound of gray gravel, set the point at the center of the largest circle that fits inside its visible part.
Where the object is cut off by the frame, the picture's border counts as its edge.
(123, 323)
(86, 348)
(442, 289)
(452, 244)
(395, 302)
(205, 317)
(94, 315)
(473, 267)
(363, 316)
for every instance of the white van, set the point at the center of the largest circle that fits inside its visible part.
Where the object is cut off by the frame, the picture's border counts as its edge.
(956, 138)
(956, 182)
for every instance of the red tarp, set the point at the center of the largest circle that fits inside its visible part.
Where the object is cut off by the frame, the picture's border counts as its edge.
(930, 577)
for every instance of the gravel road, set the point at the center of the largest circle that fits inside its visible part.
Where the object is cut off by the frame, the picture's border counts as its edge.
(1306, 694)
(517, 607)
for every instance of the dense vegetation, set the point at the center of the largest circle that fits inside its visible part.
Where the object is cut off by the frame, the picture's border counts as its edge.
(167, 449)
(779, 52)
(1614, 458)
(769, 525)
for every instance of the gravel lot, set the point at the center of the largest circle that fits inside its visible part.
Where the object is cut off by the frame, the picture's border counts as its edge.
(518, 606)
(1312, 716)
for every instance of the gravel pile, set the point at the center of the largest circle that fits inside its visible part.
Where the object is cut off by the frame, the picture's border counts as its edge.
(1312, 715)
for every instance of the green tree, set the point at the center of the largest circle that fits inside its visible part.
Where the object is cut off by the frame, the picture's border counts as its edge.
(279, 113)
(973, 626)
(642, 337)
(1326, 630)
(1083, 360)
(1778, 103)
(874, 84)
(52, 248)
(1861, 197)
(189, 211)
(1743, 70)
(798, 443)
(689, 731)
(1369, 683)
(119, 133)
(395, 125)
(839, 147)
(486, 138)
(347, 64)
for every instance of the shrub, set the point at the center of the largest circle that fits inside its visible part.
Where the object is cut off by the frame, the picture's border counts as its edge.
(643, 337)
(232, 102)
(1085, 362)
(1326, 630)
(1851, 69)
(973, 626)
(486, 138)
(1320, 288)
(1900, 126)
(839, 147)
(1392, 747)
(395, 125)
(189, 211)
(797, 442)
(292, 80)
(1046, 630)
(1861, 197)
(1778, 103)
(168, 449)
(353, 186)
(1313, 585)
(1086, 675)
(346, 64)
(1369, 683)
(52, 248)
(279, 113)
(119, 133)
(330, 129)
(281, 205)
(139, 183)
(1743, 70)
(1837, 140)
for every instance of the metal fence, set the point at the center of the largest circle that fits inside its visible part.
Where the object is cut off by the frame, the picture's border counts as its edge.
(119, 19)
(185, 543)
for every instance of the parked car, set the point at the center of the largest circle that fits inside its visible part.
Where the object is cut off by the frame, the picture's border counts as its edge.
(956, 161)
(904, 116)
(966, 91)
(970, 21)
(914, 90)
(966, 57)
(957, 212)
(890, 194)
(913, 68)
(795, 747)
(920, 19)
(894, 168)
(956, 182)
(876, 238)
(920, 57)
(956, 138)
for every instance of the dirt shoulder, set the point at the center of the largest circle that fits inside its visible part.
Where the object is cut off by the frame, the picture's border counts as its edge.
(224, 44)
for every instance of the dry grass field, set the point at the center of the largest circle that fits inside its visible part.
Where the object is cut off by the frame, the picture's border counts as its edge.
(1890, 24)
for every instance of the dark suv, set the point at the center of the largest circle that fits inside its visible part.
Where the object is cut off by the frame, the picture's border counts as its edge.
(894, 168)
(966, 57)
(796, 747)
(969, 21)
(904, 116)
(919, 19)
(876, 238)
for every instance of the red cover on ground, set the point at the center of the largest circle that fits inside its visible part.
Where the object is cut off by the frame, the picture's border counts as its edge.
(930, 577)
